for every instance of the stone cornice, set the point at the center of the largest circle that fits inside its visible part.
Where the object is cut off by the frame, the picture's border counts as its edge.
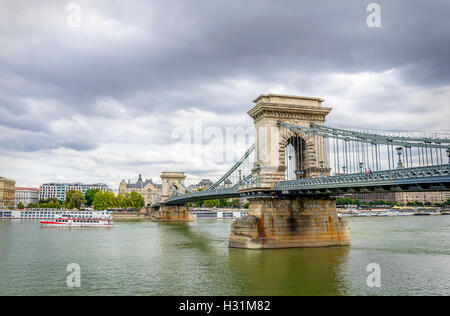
(269, 95)
(277, 110)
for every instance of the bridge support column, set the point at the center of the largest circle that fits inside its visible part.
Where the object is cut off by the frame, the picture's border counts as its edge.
(171, 213)
(290, 223)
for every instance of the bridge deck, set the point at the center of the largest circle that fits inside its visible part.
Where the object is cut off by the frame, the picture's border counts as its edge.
(433, 178)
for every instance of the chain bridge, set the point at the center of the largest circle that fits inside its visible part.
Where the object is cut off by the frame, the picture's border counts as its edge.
(297, 167)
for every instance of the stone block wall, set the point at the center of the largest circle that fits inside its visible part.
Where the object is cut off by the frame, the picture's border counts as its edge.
(287, 223)
(171, 213)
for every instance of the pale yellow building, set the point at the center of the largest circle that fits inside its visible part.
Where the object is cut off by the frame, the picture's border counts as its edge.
(423, 197)
(7, 191)
(149, 190)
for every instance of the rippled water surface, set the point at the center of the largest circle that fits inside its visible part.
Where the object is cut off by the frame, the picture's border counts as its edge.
(145, 258)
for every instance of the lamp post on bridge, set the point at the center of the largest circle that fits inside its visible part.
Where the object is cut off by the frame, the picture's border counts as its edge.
(344, 168)
(321, 168)
(448, 154)
(399, 153)
(361, 165)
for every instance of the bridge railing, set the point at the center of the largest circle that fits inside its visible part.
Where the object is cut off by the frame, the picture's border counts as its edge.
(406, 173)
(344, 151)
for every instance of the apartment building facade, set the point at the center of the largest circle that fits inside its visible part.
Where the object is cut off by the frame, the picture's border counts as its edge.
(26, 196)
(7, 189)
(59, 190)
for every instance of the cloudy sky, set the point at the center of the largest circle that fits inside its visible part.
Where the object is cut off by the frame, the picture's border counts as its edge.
(117, 95)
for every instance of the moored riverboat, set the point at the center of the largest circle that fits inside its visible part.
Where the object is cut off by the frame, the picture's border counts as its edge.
(78, 222)
(422, 212)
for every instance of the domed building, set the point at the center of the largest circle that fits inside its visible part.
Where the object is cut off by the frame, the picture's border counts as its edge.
(149, 190)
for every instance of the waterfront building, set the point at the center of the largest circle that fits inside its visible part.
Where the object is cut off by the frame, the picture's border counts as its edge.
(374, 196)
(149, 190)
(7, 189)
(26, 196)
(403, 197)
(59, 190)
(203, 184)
(422, 197)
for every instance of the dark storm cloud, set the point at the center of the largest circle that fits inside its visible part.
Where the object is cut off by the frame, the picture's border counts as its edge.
(132, 66)
(185, 44)
(27, 141)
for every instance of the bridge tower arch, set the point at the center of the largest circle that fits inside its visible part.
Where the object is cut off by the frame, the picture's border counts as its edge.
(171, 213)
(171, 179)
(272, 141)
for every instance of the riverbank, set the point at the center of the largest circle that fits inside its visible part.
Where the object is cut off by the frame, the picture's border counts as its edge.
(137, 215)
(361, 212)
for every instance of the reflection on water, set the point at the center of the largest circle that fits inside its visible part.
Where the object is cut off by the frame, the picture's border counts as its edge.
(145, 258)
(289, 271)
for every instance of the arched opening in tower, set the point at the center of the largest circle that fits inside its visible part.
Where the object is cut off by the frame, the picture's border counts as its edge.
(294, 155)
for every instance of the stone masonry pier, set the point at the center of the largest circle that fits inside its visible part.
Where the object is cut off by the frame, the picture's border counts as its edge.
(288, 223)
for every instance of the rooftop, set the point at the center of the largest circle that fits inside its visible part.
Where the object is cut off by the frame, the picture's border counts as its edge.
(27, 189)
(290, 99)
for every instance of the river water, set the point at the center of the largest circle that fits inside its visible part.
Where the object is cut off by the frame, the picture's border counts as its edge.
(145, 258)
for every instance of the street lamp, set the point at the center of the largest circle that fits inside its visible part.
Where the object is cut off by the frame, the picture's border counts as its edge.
(344, 168)
(289, 164)
(321, 168)
(240, 177)
(448, 154)
(361, 165)
(399, 153)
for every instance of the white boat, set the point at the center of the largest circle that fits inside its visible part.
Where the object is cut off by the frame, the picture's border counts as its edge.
(52, 214)
(78, 222)
(427, 212)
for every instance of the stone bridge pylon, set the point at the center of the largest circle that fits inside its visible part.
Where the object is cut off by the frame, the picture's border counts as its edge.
(171, 213)
(284, 221)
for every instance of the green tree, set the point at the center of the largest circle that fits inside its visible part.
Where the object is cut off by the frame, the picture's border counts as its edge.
(136, 200)
(47, 203)
(199, 203)
(20, 206)
(235, 203)
(224, 203)
(126, 200)
(99, 201)
(74, 199)
(119, 200)
(107, 200)
(212, 203)
(68, 197)
(89, 195)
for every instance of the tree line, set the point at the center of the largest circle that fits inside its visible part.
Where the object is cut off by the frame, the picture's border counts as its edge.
(218, 203)
(94, 198)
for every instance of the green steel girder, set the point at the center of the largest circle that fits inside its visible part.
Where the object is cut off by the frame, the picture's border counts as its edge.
(374, 139)
(235, 166)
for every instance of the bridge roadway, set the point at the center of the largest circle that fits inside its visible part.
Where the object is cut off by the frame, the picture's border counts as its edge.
(431, 178)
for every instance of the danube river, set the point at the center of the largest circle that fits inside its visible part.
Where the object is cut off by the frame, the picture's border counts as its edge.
(145, 258)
